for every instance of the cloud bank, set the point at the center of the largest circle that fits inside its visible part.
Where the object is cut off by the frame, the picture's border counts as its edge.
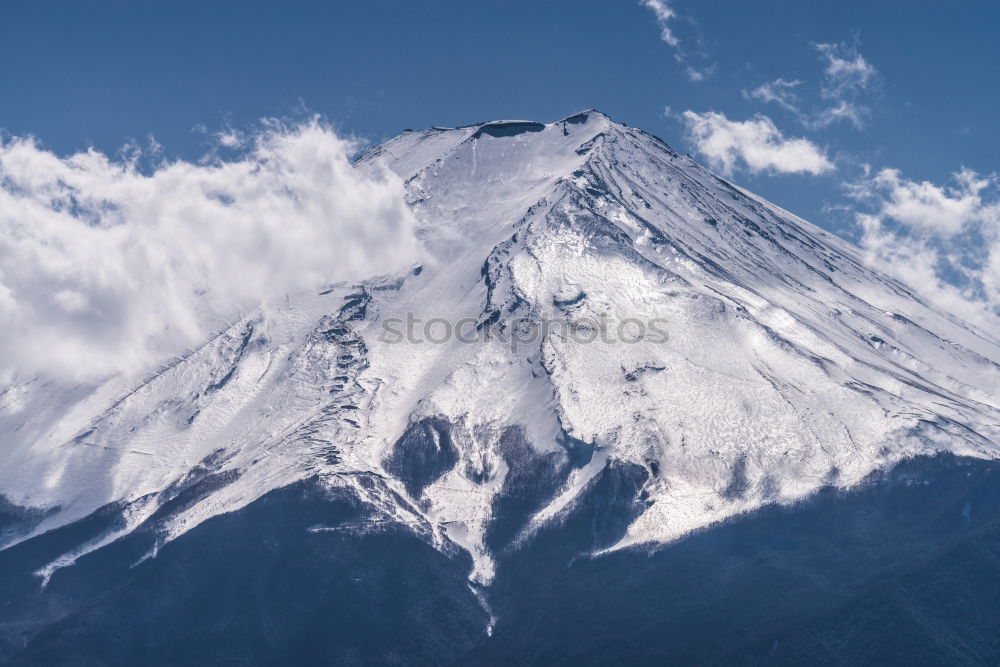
(106, 268)
(755, 144)
(944, 240)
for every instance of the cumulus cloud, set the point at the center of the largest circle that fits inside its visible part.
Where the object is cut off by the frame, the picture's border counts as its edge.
(756, 144)
(942, 239)
(941, 211)
(106, 268)
(665, 18)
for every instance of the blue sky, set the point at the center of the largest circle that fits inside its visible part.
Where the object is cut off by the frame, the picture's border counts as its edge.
(889, 100)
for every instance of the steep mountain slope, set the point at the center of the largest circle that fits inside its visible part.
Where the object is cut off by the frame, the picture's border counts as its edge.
(653, 347)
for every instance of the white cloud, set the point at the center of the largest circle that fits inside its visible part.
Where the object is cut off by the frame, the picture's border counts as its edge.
(942, 211)
(697, 75)
(105, 269)
(780, 91)
(847, 77)
(944, 240)
(756, 144)
(664, 14)
(855, 114)
(846, 70)
(665, 17)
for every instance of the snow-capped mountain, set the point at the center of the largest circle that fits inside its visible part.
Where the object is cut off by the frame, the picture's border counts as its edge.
(640, 329)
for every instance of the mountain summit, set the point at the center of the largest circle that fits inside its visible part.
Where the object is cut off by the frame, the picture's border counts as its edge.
(605, 338)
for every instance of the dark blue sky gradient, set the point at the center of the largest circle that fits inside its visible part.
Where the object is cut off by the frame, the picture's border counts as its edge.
(76, 74)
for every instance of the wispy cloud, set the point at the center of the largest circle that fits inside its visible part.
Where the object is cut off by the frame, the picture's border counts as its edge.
(664, 14)
(780, 91)
(105, 267)
(755, 144)
(694, 63)
(855, 114)
(944, 239)
(846, 71)
(847, 77)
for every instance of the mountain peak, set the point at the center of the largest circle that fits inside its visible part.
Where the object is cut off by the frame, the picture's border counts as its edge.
(606, 314)
(586, 114)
